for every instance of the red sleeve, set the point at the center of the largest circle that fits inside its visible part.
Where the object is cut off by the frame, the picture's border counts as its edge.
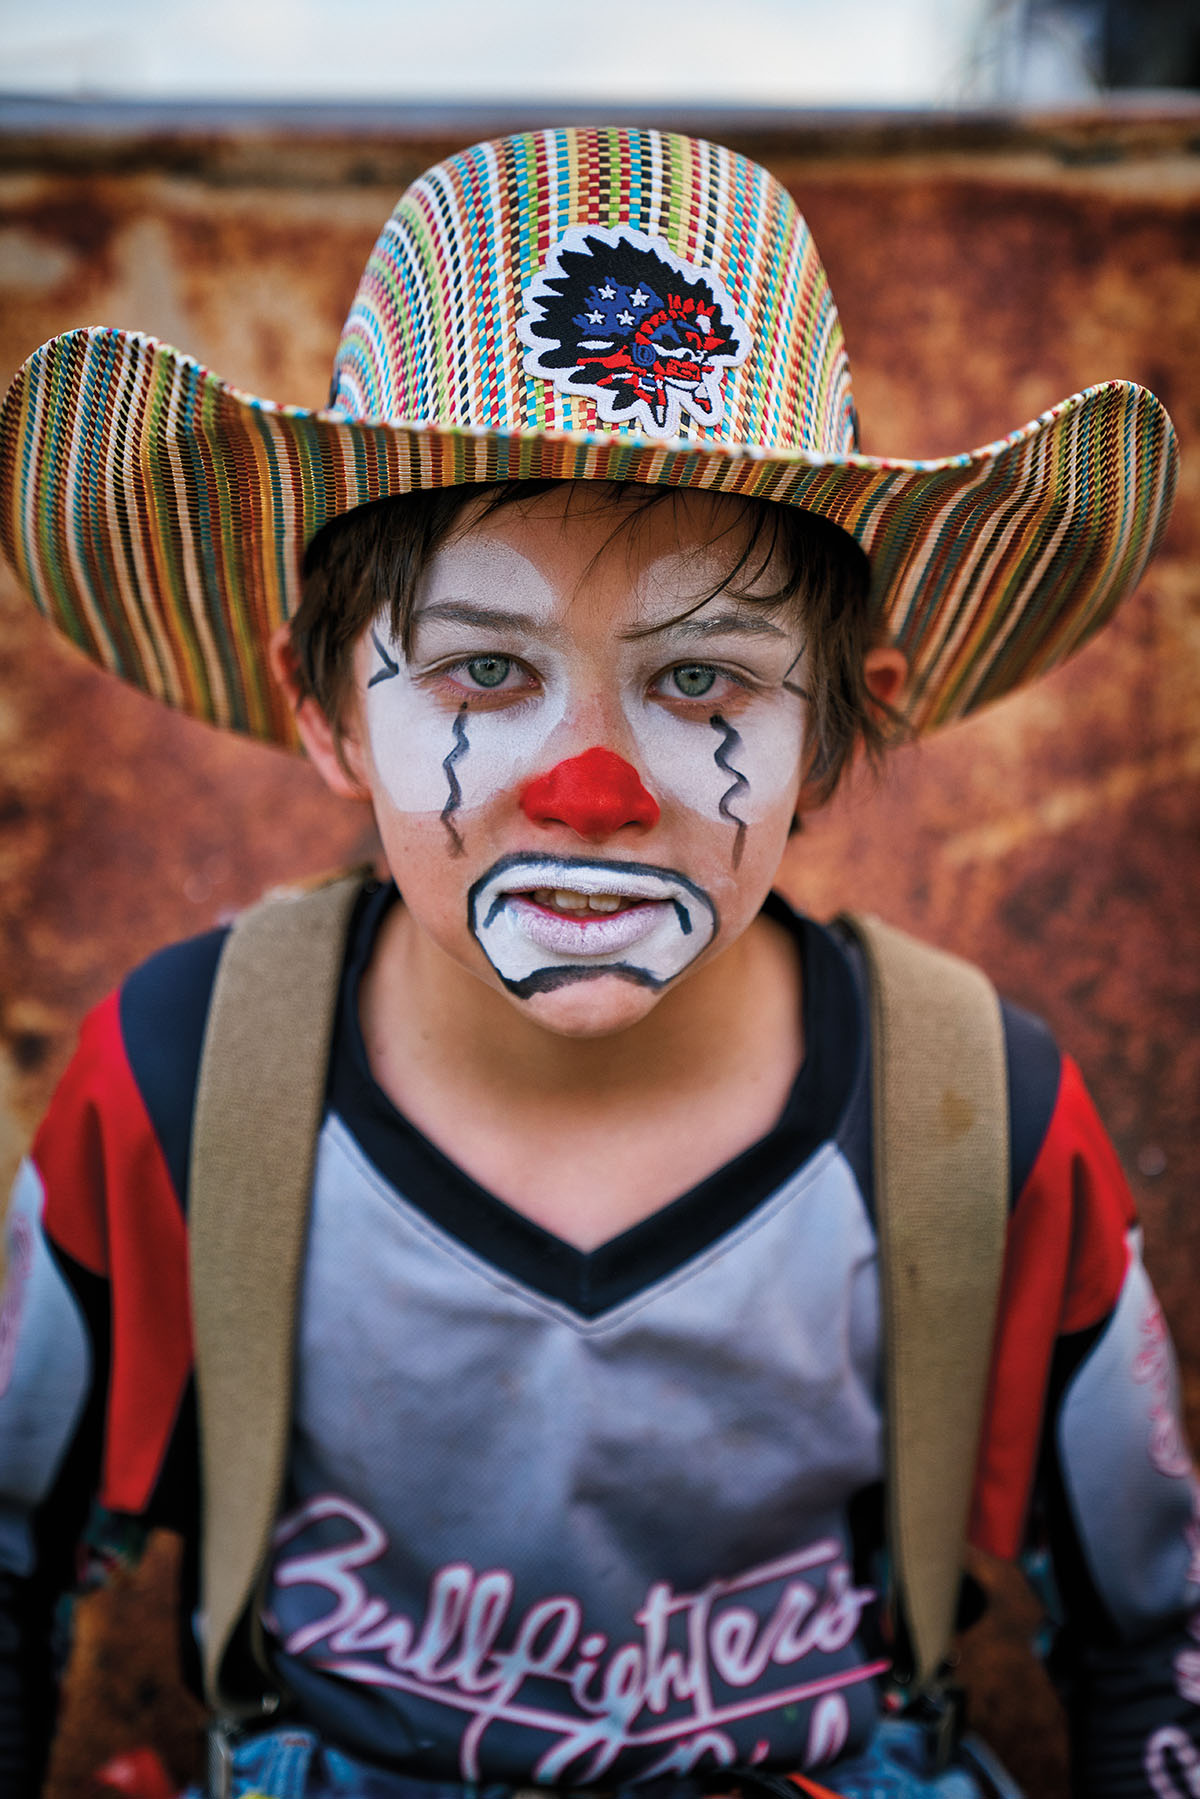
(1065, 1261)
(110, 1206)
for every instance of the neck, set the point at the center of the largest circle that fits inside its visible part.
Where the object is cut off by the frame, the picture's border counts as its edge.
(419, 1004)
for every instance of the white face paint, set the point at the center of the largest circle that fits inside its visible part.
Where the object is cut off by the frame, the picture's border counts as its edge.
(434, 756)
(664, 922)
(564, 624)
(445, 743)
(734, 760)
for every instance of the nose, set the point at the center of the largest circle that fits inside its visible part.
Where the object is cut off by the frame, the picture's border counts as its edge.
(593, 795)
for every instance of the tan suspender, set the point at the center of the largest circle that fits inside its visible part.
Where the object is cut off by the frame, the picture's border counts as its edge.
(941, 1178)
(940, 1100)
(258, 1113)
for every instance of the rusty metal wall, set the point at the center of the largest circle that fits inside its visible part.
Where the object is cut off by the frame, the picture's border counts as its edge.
(984, 270)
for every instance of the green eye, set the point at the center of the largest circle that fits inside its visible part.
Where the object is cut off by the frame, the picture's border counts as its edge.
(489, 671)
(694, 679)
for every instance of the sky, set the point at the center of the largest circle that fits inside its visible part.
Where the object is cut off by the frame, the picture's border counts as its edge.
(735, 52)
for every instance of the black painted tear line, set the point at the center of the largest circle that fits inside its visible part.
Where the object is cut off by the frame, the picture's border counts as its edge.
(730, 740)
(454, 799)
(389, 668)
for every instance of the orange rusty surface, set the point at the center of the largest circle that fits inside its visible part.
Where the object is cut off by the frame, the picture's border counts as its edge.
(981, 277)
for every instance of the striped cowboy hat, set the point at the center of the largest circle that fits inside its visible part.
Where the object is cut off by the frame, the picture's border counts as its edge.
(576, 304)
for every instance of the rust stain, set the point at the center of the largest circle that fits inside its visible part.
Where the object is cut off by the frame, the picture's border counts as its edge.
(79, 217)
(1071, 803)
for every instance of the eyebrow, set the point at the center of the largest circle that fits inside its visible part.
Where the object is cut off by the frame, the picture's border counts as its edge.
(743, 624)
(486, 618)
(499, 618)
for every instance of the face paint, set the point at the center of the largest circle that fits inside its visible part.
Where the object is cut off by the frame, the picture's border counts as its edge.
(677, 753)
(730, 741)
(454, 797)
(420, 754)
(662, 926)
(434, 759)
(594, 795)
(387, 669)
(792, 679)
(755, 762)
(567, 691)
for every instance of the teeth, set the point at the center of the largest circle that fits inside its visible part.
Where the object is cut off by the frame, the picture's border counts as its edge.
(560, 899)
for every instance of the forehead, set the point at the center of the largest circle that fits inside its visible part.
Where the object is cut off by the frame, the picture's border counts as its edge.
(593, 549)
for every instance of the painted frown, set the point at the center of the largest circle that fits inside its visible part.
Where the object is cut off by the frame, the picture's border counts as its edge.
(603, 761)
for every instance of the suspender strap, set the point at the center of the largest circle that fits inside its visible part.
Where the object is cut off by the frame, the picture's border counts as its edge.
(258, 1113)
(940, 1095)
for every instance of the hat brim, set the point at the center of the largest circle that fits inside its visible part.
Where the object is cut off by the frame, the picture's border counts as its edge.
(159, 518)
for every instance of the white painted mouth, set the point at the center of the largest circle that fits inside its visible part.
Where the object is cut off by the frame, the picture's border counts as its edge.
(543, 922)
(586, 933)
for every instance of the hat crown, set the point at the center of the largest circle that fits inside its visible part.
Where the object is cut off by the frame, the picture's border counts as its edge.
(600, 280)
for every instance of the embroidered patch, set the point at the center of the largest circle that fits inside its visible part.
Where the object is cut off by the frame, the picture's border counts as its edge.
(619, 316)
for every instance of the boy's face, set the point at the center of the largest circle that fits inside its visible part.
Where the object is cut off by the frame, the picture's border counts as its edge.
(583, 778)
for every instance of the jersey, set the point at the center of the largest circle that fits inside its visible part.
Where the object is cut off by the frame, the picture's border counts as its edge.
(597, 1518)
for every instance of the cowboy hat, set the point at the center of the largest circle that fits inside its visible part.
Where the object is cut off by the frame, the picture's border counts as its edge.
(575, 304)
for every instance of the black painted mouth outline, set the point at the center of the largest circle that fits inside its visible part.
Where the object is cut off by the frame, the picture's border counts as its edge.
(546, 980)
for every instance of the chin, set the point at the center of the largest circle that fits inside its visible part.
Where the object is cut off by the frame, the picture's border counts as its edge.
(599, 1007)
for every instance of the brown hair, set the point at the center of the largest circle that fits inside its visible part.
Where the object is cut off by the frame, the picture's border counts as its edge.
(369, 562)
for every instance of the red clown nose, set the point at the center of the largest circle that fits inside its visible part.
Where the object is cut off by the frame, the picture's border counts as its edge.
(594, 794)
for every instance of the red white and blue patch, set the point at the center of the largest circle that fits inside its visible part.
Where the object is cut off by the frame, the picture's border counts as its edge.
(617, 315)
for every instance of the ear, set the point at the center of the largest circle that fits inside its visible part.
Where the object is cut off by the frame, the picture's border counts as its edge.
(885, 670)
(335, 754)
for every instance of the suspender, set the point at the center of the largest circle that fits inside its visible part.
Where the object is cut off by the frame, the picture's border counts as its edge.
(941, 1180)
(940, 1105)
(258, 1113)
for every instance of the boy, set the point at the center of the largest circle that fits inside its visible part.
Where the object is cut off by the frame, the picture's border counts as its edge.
(587, 1436)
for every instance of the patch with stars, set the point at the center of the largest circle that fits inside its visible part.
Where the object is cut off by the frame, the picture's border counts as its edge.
(617, 315)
